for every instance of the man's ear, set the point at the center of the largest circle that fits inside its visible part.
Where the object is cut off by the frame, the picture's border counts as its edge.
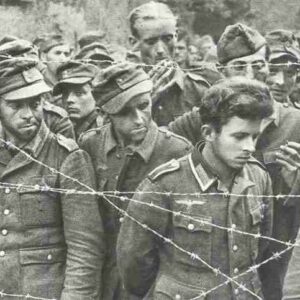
(134, 43)
(208, 132)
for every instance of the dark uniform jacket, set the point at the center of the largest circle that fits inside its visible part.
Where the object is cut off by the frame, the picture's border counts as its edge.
(51, 244)
(185, 93)
(93, 120)
(281, 127)
(154, 269)
(57, 120)
(122, 169)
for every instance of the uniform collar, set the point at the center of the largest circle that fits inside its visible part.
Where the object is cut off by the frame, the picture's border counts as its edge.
(35, 145)
(145, 149)
(274, 118)
(201, 170)
(179, 78)
(206, 177)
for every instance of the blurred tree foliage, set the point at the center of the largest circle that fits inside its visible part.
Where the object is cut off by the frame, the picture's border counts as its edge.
(212, 16)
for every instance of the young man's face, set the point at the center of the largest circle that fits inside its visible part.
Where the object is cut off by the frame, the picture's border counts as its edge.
(22, 118)
(78, 100)
(252, 66)
(156, 40)
(181, 53)
(56, 56)
(132, 123)
(282, 78)
(235, 142)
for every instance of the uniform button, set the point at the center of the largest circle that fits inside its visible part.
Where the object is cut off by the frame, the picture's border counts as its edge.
(6, 212)
(49, 257)
(285, 104)
(191, 227)
(235, 248)
(118, 156)
(236, 291)
(160, 107)
(233, 226)
(7, 190)
(236, 270)
(177, 297)
(4, 231)
(121, 219)
(2, 253)
(117, 177)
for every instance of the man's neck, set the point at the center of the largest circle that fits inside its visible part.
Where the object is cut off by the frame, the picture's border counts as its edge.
(224, 173)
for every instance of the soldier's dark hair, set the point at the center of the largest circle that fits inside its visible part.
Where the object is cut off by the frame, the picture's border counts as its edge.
(149, 11)
(237, 96)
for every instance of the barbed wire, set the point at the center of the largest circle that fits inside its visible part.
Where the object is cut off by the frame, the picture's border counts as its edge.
(45, 188)
(193, 256)
(203, 65)
(27, 296)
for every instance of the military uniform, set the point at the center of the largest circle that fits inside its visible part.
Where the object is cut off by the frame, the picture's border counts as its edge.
(182, 96)
(277, 130)
(154, 269)
(57, 120)
(51, 243)
(121, 168)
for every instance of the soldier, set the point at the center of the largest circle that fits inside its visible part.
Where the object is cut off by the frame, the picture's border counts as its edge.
(51, 242)
(243, 51)
(75, 86)
(54, 50)
(182, 50)
(154, 33)
(125, 151)
(284, 58)
(55, 117)
(152, 268)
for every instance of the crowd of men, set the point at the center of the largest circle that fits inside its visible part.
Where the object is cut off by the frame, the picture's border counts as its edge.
(166, 171)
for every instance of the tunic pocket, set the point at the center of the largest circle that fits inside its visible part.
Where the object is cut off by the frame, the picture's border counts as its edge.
(38, 205)
(42, 271)
(169, 289)
(193, 235)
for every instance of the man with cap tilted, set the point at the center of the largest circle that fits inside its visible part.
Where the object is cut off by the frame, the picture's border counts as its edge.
(51, 244)
(154, 34)
(125, 150)
(75, 87)
(284, 59)
(243, 52)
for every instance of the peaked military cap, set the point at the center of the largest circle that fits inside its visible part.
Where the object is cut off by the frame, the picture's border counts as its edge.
(118, 84)
(94, 51)
(283, 43)
(91, 37)
(20, 79)
(238, 40)
(47, 41)
(74, 72)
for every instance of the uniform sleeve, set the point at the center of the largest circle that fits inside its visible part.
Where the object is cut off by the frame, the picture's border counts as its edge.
(137, 247)
(188, 126)
(83, 231)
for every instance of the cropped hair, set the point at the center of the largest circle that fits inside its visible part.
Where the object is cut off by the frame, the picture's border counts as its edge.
(237, 96)
(149, 11)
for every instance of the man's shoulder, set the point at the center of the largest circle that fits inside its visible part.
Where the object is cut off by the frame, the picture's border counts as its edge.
(165, 169)
(171, 139)
(67, 143)
(93, 134)
(54, 110)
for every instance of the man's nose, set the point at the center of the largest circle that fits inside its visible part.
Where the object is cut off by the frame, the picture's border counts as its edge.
(278, 78)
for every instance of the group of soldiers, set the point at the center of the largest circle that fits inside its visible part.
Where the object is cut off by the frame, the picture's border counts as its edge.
(142, 176)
